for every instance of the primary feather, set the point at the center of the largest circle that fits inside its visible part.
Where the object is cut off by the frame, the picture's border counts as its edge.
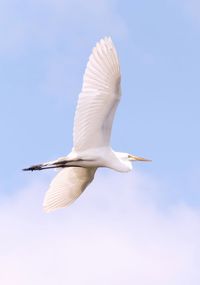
(98, 99)
(67, 186)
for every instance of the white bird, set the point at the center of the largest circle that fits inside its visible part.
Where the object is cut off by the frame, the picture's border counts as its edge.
(94, 115)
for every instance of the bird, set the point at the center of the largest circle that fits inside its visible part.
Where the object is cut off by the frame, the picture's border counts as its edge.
(96, 106)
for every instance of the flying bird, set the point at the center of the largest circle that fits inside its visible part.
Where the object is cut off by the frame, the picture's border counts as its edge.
(93, 120)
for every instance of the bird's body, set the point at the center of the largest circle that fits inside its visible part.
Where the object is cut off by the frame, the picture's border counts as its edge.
(94, 115)
(99, 157)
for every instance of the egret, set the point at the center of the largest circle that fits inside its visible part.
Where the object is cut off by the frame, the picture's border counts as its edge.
(93, 120)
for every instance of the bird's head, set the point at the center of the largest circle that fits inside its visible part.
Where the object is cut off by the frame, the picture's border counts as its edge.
(127, 159)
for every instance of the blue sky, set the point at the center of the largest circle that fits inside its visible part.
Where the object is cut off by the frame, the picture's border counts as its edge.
(43, 56)
(43, 53)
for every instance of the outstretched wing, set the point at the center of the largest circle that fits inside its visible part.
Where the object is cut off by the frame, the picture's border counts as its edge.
(67, 186)
(98, 99)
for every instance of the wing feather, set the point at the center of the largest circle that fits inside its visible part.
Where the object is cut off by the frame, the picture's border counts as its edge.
(67, 186)
(98, 99)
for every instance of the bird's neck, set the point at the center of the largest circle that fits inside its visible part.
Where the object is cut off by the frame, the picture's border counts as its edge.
(119, 163)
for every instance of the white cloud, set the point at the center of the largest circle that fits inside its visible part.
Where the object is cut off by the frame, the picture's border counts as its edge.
(114, 234)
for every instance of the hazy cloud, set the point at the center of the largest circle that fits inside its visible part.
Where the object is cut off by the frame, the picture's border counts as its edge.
(115, 233)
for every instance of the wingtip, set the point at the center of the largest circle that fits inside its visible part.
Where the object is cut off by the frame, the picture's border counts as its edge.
(47, 209)
(109, 39)
(105, 40)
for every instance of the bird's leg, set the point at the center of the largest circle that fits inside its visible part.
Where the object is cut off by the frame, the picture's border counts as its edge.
(60, 163)
(47, 165)
(33, 167)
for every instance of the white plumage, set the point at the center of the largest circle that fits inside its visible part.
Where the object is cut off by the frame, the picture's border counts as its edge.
(94, 115)
(98, 99)
(67, 185)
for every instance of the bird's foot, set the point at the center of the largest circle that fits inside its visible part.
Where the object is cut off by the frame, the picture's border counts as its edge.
(33, 167)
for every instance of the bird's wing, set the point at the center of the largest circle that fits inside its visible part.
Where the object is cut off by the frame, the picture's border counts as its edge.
(67, 186)
(98, 99)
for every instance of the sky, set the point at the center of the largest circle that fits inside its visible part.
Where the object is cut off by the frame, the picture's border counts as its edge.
(136, 228)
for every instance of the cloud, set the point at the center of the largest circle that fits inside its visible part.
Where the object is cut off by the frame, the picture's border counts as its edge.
(115, 233)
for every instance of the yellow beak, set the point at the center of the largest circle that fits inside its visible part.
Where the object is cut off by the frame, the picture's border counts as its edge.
(133, 157)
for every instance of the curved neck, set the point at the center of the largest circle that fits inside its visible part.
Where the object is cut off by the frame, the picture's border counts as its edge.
(119, 162)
